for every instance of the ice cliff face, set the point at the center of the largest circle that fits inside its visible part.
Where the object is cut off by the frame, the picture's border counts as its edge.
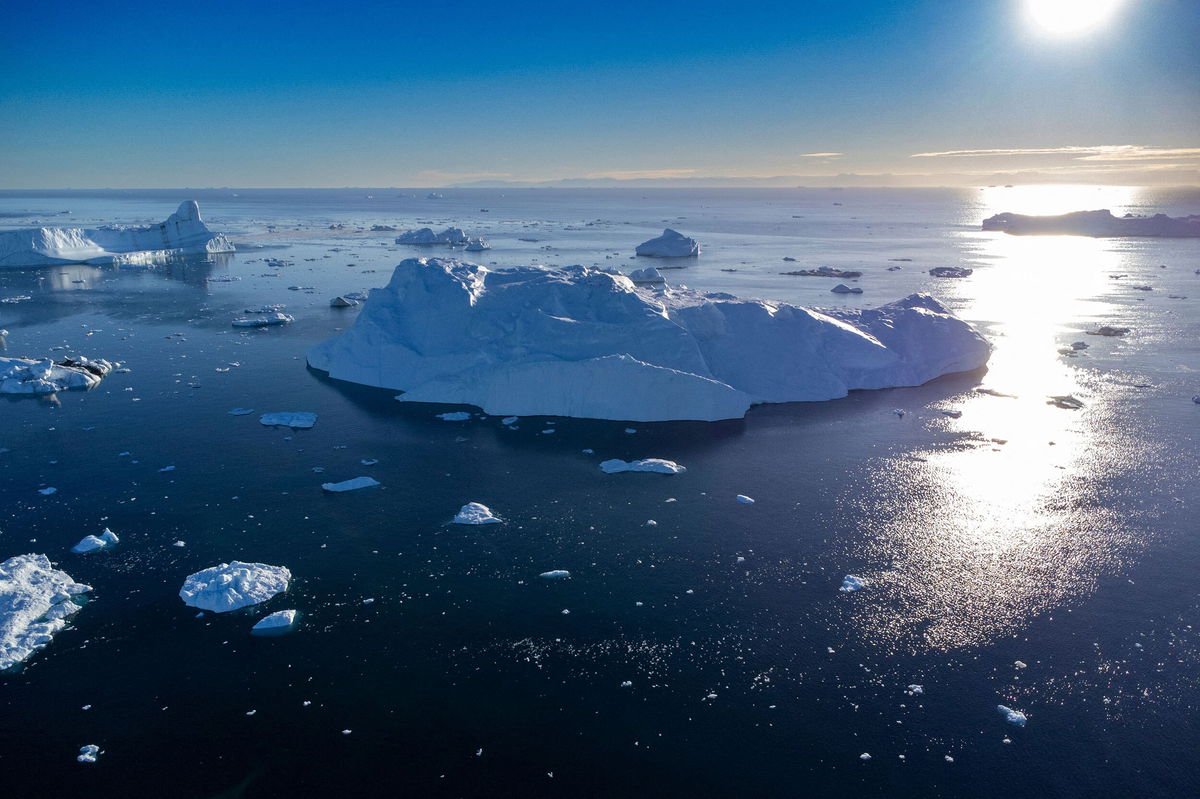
(1098, 224)
(184, 233)
(577, 341)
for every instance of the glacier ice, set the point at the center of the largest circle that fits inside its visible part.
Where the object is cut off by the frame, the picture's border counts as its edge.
(275, 621)
(671, 244)
(36, 377)
(184, 233)
(476, 513)
(577, 341)
(91, 543)
(229, 586)
(616, 466)
(1098, 224)
(426, 237)
(35, 600)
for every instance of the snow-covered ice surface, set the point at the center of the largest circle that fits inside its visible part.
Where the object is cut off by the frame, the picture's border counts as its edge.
(577, 341)
(91, 543)
(35, 601)
(475, 513)
(659, 465)
(229, 586)
(1098, 224)
(352, 484)
(38, 377)
(184, 233)
(671, 244)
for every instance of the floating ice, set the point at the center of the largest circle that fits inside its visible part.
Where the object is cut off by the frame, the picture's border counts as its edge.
(295, 419)
(851, 583)
(951, 271)
(671, 244)
(91, 543)
(745, 500)
(1108, 330)
(350, 485)
(26, 376)
(916, 690)
(454, 416)
(842, 288)
(576, 341)
(269, 320)
(509, 420)
(864, 756)
(477, 245)
(88, 754)
(229, 586)
(616, 466)
(555, 574)
(45, 492)
(1014, 717)
(426, 237)
(276, 620)
(1097, 224)
(183, 233)
(35, 600)
(649, 275)
(475, 513)
(240, 412)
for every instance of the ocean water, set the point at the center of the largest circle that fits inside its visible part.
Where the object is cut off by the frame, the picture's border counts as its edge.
(1066, 540)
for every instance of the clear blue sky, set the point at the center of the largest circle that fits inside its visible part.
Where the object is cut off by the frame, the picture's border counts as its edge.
(138, 94)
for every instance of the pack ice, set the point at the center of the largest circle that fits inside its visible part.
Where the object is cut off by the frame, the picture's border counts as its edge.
(28, 376)
(229, 586)
(184, 233)
(1099, 224)
(35, 600)
(577, 341)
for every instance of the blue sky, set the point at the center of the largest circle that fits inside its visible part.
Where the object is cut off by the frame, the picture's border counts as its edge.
(139, 94)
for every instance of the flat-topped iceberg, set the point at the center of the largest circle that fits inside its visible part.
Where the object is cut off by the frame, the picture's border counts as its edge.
(229, 586)
(35, 600)
(1099, 224)
(671, 244)
(577, 341)
(616, 466)
(28, 376)
(425, 237)
(184, 233)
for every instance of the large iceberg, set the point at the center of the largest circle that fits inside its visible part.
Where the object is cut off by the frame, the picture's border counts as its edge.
(35, 600)
(1098, 224)
(426, 237)
(184, 233)
(577, 341)
(28, 376)
(229, 586)
(671, 244)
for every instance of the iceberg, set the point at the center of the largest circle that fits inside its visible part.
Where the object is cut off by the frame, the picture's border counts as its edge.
(184, 233)
(616, 466)
(851, 583)
(476, 513)
(951, 271)
(265, 321)
(275, 621)
(91, 543)
(477, 245)
(28, 376)
(580, 342)
(555, 574)
(294, 419)
(229, 586)
(648, 275)
(1097, 224)
(842, 288)
(671, 244)
(425, 237)
(88, 753)
(350, 485)
(1014, 717)
(35, 600)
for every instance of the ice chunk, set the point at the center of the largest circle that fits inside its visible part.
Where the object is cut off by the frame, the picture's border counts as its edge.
(350, 485)
(454, 416)
(842, 288)
(671, 244)
(851, 583)
(88, 754)
(275, 621)
(510, 420)
(1098, 224)
(342, 302)
(296, 419)
(91, 543)
(35, 600)
(649, 275)
(576, 341)
(265, 321)
(865, 756)
(477, 245)
(240, 412)
(555, 574)
(916, 690)
(475, 513)
(745, 500)
(45, 492)
(34, 377)
(951, 271)
(426, 237)
(229, 586)
(184, 233)
(616, 466)
(1014, 717)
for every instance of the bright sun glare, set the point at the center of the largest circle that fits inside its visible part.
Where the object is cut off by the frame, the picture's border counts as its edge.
(1069, 17)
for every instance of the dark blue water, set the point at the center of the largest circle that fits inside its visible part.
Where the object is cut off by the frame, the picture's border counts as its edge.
(748, 678)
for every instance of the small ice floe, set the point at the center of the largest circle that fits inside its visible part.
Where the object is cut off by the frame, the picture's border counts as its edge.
(1109, 330)
(454, 416)
(179, 544)
(865, 756)
(92, 543)
(1020, 665)
(46, 376)
(294, 419)
(342, 302)
(648, 276)
(352, 484)
(35, 600)
(948, 759)
(842, 288)
(899, 412)
(510, 420)
(851, 583)
(278, 622)
(369, 461)
(229, 586)
(916, 690)
(630, 431)
(745, 500)
(369, 601)
(47, 491)
(1196, 399)
(671, 244)
(555, 574)
(264, 321)
(1065, 401)
(950, 271)
(240, 411)
(167, 469)
(1014, 717)
(658, 465)
(627, 683)
(475, 513)
(88, 754)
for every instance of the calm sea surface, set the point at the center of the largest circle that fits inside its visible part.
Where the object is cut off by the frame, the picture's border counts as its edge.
(1066, 540)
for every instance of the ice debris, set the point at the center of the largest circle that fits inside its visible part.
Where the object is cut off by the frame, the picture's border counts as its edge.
(745, 500)
(426, 237)
(229, 586)
(842, 288)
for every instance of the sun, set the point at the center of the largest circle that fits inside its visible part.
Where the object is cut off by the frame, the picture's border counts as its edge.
(1069, 17)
